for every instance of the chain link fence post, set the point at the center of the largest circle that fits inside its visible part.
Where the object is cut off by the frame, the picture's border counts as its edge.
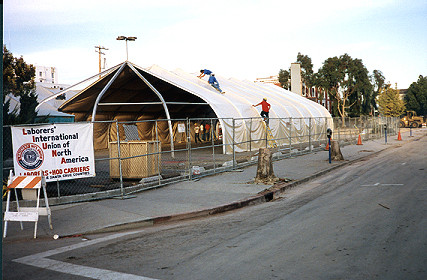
(234, 148)
(290, 136)
(250, 136)
(309, 134)
(119, 159)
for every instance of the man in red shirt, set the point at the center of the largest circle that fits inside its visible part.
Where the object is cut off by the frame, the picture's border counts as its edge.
(265, 108)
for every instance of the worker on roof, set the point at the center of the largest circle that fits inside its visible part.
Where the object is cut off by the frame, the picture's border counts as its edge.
(204, 72)
(265, 106)
(213, 82)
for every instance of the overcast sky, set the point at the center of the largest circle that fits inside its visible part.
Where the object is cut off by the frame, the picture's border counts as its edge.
(245, 39)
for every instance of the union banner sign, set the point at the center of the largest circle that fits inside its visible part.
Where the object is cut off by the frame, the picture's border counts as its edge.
(61, 151)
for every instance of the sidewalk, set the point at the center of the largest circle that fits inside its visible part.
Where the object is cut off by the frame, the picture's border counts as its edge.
(189, 199)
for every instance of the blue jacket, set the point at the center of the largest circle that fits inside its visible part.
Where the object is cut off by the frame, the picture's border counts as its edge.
(207, 72)
(212, 80)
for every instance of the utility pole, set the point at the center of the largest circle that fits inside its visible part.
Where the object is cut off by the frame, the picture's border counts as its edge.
(99, 48)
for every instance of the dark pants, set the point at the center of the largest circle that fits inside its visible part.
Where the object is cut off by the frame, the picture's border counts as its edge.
(264, 114)
(197, 137)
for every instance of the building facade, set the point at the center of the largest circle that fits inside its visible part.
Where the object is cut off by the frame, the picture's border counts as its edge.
(46, 75)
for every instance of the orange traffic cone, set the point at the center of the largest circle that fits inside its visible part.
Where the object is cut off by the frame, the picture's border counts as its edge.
(327, 146)
(359, 141)
(399, 137)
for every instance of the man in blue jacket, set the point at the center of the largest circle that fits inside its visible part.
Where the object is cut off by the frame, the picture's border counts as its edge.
(204, 72)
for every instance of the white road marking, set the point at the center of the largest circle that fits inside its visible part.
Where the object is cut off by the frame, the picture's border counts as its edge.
(385, 185)
(41, 260)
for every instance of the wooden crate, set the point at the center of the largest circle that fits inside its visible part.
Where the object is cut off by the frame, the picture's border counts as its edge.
(138, 167)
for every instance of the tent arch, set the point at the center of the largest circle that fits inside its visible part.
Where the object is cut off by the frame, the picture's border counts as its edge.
(185, 95)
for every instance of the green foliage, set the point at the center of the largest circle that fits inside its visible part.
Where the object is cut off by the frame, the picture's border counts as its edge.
(18, 80)
(416, 96)
(347, 81)
(306, 69)
(389, 102)
(378, 83)
(284, 77)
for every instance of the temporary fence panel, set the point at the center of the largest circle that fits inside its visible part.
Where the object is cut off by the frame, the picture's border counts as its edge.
(232, 142)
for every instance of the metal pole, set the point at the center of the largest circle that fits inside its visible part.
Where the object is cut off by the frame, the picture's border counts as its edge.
(329, 141)
(213, 144)
(158, 152)
(234, 150)
(127, 57)
(57, 187)
(250, 136)
(290, 136)
(189, 148)
(385, 133)
(119, 158)
(309, 134)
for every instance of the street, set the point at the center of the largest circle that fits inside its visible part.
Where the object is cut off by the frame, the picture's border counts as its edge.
(366, 220)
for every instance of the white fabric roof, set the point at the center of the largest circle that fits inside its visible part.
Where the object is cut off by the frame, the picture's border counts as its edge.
(241, 122)
(237, 103)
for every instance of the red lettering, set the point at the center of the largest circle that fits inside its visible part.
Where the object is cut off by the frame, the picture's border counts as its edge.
(55, 154)
(63, 161)
(23, 131)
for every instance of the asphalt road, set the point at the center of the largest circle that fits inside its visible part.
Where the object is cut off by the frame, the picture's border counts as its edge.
(366, 220)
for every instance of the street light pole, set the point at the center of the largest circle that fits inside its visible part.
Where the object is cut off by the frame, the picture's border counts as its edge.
(124, 38)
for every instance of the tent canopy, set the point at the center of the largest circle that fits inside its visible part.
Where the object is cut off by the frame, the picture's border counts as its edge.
(134, 95)
(129, 89)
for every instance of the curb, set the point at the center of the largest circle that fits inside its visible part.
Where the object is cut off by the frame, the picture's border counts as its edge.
(264, 196)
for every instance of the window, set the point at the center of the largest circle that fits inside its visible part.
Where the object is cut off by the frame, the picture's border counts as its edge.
(41, 74)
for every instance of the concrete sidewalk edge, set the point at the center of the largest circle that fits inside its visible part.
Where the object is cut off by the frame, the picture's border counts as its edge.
(264, 196)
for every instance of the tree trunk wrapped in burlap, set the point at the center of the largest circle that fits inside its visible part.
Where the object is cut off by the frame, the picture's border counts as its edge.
(336, 151)
(265, 173)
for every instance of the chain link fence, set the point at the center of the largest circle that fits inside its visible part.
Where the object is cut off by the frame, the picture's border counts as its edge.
(141, 155)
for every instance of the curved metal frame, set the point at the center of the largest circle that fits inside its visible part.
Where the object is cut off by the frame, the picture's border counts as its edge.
(165, 107)
(163, 102)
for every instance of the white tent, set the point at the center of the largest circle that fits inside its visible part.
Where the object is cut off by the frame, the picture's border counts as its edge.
(128, 90)
(237, 103)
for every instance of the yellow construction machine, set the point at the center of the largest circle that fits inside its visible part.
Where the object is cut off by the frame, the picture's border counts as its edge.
(411, 120)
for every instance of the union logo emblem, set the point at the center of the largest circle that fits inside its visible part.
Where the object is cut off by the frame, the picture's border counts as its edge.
(30, 156)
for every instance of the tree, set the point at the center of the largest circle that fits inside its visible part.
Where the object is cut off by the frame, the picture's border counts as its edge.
(265, 173)
(284, 76)
(347, 81)
(306, 69)
(389, 102)
(416, 96)
(18, 80)
(306, 72)
(378, 81)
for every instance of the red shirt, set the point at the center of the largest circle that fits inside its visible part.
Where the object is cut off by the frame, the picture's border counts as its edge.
(265, 106)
